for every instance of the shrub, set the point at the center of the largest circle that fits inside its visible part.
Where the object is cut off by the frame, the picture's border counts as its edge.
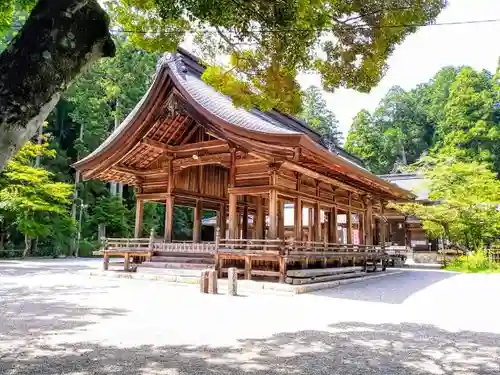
(477, 261)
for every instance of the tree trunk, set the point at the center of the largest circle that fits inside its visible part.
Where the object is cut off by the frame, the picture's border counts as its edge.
(57, 41)
(27, 246)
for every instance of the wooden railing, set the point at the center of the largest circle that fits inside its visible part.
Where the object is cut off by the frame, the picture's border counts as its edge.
(184, 246)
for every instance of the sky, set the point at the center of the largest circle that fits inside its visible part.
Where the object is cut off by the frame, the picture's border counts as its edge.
(423, 53)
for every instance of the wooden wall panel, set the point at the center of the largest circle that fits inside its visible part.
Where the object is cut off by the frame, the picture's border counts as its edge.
(215, 180)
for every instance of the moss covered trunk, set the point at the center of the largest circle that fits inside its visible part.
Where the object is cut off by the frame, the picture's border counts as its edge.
(58, 40)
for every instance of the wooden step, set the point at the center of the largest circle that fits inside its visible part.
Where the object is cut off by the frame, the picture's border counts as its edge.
(322, 271)
(175, 259)
(175, 265)
(183, 254)
(312, 280)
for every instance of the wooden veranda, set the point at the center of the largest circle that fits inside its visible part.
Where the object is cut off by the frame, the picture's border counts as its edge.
(186, 144)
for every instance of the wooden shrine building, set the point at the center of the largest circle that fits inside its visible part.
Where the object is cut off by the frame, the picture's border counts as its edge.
(186, 144)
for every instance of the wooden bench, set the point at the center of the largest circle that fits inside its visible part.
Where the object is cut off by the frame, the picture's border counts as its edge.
(127, 254)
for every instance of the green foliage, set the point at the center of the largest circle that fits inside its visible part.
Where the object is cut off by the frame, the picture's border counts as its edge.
(476, 262)
(347, 43)
(455, 113)
(111, 212)
(38, 206)
(467, 197)
(316, 114)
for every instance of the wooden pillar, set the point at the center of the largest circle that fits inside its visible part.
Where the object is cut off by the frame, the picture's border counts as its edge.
(197, 221)
(259, 220)
(382, 225)
(369, 223)
(361, 228)
(317, 222)
(169, 218)
(298, 218)
(349, 222)
(310, 220)
(281, 219)
(273, 214)
(221, 220)
(233, 216)
(244, 226)
(332, 223)
(139, 210)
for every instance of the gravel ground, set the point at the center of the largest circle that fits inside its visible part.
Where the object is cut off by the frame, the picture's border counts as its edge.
(55, 320)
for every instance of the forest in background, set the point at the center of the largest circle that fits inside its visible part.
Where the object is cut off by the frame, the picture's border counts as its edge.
(457, 110)
(46, 210)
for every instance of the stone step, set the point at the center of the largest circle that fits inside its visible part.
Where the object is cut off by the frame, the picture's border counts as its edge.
(170, 265)
(183, 254)
(176, 259)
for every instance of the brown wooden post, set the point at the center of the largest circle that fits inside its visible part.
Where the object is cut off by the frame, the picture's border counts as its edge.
(222, 220)
(169, 218)
(244, 226)
(139, 210)
(310, 220)
(349, 222)
(369, 223)
(334, 225)
(281, 219)
(233, 216)
(260, 219)
(382, 225)
(197, 221)
(273, 214)
(298, 218)
(317, 222)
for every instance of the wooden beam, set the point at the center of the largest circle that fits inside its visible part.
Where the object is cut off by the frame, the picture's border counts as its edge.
(349, 221)
(182, 163)
(232, 168)
(273, 214)
(200, 146)
(317, 222)
(197, 221)
(222, 220)
(310, 220)
(369, 223)
(318, 176)
(170, 178)
(259, 221)
(169, 218)
(244, 227)
(139, 210)
(157, 145)
(233, 215)
(298, 218)
(281, 219)
(190, 134)
(333, 226)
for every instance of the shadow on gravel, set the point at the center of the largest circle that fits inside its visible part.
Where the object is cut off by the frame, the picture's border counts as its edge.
(392, 289)
(349, 348)
(33, 267)
(29, 313)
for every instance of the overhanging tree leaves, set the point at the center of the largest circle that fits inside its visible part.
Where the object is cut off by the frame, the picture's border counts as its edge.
(269, 42)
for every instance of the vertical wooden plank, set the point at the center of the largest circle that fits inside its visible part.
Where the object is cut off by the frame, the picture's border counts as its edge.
(222, 220)
(232, 168)
(310, 220)
(232, 216)
(334, 225)
(317, 222)
(126, 262)
(282, 265)
(197, 221)
(169, 218)
(281, 219)
(259, 219)
(298, 218)
(244, 226)
(105, 264)
(369, 223)
(248, 267)
(349, 222)
(139, 210)
(382, 225)
(273, 214)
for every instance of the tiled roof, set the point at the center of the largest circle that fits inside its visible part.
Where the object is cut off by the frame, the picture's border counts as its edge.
(220, 105)
(411, 182)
